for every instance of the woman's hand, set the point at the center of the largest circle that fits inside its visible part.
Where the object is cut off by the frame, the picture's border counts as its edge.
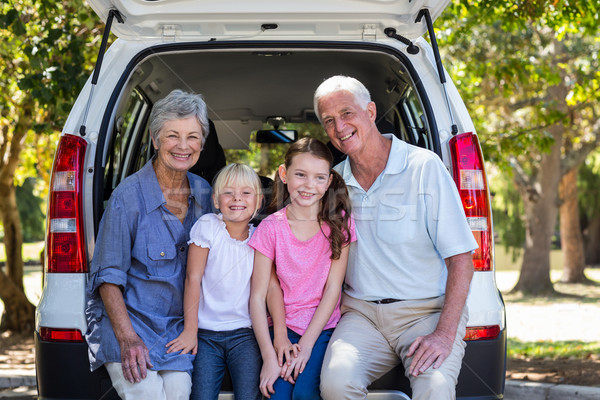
(135, 359)
(268, 375)
(186, 342)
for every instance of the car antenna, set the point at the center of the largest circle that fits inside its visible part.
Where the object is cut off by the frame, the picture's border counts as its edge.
(438, 61)
(113, 13)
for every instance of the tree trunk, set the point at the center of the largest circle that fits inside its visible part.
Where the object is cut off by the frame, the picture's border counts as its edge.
(13, 235)
(591, 241)
(571, 238)
(541, 209)
(18, 311)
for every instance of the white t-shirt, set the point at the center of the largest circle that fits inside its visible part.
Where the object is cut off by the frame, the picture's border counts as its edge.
(407, 223)
(225, 291)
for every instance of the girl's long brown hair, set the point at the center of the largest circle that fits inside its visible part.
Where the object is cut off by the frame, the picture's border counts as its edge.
(335, 207)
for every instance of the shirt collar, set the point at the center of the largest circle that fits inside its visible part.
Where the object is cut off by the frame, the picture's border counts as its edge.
(151, 191)
(395, 164)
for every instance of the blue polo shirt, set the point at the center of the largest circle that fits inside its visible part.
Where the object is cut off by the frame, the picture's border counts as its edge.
(142, 247)
(407, 223)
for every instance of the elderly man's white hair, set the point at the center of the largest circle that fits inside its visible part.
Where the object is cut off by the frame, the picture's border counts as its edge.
(342, 83)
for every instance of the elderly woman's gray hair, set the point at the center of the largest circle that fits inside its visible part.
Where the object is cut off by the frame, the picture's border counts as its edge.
(342, 83)
(178, 105)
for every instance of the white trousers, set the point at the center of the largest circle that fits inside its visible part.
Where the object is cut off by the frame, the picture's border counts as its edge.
(158, 385)
(371, 339)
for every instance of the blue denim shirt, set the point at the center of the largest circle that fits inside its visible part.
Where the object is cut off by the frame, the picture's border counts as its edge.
(142, 247)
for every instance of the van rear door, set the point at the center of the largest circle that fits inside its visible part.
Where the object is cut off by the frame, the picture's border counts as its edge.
(184, 20)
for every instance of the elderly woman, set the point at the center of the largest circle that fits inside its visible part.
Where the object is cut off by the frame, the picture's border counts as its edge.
(135, 288)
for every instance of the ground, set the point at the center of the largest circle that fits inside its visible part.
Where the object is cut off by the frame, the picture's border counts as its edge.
(572, 315)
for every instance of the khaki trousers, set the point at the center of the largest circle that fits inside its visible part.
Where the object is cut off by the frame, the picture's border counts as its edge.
(159, 385)
(371, 339)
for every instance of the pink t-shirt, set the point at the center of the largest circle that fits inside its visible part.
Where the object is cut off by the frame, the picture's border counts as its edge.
(302, 267)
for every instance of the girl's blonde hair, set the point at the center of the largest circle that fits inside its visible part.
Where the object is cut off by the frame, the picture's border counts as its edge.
(237, 174)
(335, 204)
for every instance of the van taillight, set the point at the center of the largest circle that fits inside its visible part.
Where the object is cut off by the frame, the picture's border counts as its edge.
(482, 332)
(470, 178)
(64, 230)
(60, 335)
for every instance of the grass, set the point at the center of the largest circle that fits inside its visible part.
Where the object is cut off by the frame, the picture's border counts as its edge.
(552, 349)
(31, 251)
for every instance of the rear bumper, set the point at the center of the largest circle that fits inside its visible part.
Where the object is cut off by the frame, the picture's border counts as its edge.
(63, 372)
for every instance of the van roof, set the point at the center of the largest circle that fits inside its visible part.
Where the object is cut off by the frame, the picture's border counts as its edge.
(184, 20)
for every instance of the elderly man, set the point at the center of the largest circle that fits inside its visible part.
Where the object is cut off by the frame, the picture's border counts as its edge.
(409, 271)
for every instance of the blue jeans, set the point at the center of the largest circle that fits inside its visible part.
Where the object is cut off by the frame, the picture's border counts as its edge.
(307, 384)
(238, 351)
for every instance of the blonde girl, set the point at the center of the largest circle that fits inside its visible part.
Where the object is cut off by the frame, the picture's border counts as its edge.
(217, 326)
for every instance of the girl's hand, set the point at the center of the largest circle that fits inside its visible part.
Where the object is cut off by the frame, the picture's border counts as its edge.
(268, 375)
(285, 349)
(186, 342)
(297, 366)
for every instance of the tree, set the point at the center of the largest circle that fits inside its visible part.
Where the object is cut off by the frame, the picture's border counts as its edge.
(589, 206)
(45, 52)
(528, 71)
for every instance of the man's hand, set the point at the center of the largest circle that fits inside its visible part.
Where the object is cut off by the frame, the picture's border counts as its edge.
(135, 359)
(429, 350)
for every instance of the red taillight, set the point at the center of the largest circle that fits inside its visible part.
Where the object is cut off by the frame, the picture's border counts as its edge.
(60, 335)
(482, 332)
(470, 178)
(64, 230)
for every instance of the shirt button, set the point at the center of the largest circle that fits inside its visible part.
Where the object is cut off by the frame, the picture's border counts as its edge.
(182, 249)
(162, 253)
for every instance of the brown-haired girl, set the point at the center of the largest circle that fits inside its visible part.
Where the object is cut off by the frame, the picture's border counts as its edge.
(308, 241)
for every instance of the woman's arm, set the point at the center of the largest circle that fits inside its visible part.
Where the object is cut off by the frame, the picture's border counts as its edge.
(134, 353)
(261, 277)
(330, 298)
(188, 339)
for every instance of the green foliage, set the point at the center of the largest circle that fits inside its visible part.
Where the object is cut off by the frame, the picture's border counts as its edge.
(552, 349)
(265, 158)
(30, 211)
(508, 212)
(588, 184)
(47, 51)
(509, 59)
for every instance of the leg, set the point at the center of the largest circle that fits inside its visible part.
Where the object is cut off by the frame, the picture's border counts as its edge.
(149, 388)
(357, 354)
(244, 362)
(437, 383)
(177, 384)
(209, 366)
(308, 382)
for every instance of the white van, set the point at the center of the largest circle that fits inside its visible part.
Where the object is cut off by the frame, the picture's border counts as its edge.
(257, 64)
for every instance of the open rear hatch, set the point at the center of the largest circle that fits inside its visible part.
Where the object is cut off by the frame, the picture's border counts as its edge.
(184, 20)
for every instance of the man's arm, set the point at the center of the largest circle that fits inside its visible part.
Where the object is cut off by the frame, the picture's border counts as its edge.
(433, 349)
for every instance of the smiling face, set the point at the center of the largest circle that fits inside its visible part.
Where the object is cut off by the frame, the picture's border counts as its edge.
(347, 124)
(237, 203)
(179, 144)
(307, 178)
